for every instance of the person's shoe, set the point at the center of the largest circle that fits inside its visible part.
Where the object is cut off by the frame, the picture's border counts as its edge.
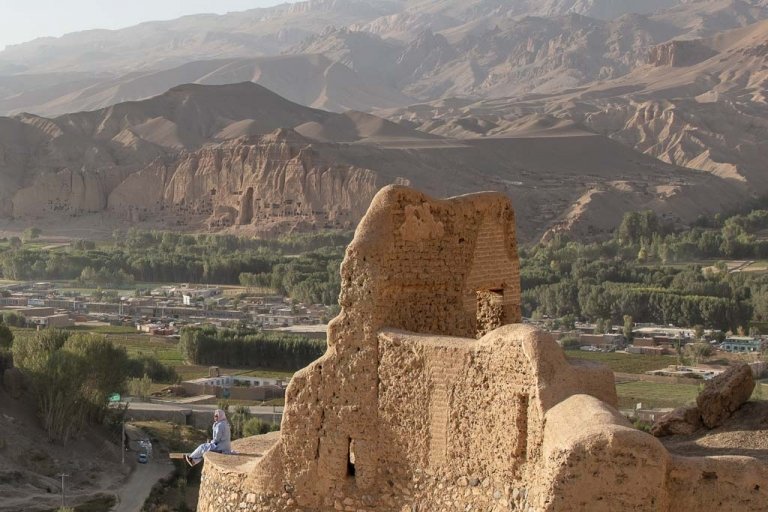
(189, 461)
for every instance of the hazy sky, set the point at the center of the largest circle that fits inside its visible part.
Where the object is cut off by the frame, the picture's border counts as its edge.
(24, 20)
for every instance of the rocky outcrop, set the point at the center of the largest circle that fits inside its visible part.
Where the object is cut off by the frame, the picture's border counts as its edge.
(682, 421)
(724, 394)
(679, 54)
(720, 398)
(66, 193)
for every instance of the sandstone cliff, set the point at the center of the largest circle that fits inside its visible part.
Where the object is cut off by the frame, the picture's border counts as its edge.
(239, 157)
(256, 182)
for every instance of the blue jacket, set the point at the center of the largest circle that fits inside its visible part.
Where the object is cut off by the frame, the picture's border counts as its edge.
(221, 437)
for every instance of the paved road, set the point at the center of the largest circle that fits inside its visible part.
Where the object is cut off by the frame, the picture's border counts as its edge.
(194, 414)
(184, 408)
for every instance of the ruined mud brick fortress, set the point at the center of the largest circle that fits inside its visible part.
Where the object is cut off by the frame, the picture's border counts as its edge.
(432, 397)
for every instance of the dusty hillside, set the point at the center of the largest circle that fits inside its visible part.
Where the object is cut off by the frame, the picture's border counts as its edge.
(697, 103)
(164, 44)
(30, 465)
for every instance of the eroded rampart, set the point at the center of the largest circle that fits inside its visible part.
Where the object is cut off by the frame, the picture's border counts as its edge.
(431, 395)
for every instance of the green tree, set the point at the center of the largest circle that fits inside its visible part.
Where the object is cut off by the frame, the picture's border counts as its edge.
(629, 324)
(568, 322)
(70, 378)
(31, 234)
(255, 427)
(88, 276)
(600, 326)
(237, 420)
(569, 342)
(140, 387)
(697, 351)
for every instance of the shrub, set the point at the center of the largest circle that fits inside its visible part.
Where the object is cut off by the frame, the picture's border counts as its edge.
(569, 342)
(255, 426)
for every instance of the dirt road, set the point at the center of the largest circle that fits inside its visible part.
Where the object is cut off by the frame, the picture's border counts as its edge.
(132, 495)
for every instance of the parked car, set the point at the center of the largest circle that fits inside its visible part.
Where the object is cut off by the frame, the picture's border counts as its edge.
(142, 458)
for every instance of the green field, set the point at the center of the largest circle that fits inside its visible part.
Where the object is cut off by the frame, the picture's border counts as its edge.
(624, 363)
(164, 350)
(654, 394)
(104, 329)
(167, 352)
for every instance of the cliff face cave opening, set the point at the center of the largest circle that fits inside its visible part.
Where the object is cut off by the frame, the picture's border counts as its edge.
(350, 458)
(246, 208)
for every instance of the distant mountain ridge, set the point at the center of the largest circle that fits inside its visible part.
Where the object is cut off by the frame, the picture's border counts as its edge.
(375, 54)
(312, 80)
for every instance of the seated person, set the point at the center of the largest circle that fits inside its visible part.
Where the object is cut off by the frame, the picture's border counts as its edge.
(220, 442)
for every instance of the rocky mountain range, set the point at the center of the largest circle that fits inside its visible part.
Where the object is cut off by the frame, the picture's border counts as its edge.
(386, 52)
(240, 157)
(578, 109)
(696, 103)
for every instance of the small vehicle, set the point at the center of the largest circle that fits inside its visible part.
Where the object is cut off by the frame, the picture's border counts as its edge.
(142, 458)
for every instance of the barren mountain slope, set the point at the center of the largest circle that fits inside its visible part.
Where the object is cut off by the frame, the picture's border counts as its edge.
(704, 18)
(711, 115)
(499, 56)
(700, 104)
(485, 50)
(438, 15)
(285, 181)
(218, 157)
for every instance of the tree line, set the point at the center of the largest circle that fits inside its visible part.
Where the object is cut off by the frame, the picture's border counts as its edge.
(636, 273)
(306, 267)
(248, 348)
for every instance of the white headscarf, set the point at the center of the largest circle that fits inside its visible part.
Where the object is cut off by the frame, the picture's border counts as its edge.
(221, 414)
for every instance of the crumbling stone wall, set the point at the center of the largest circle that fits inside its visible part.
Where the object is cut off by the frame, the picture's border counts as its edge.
(409, 411)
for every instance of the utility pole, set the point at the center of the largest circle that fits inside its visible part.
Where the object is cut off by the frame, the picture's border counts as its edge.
(63, 500)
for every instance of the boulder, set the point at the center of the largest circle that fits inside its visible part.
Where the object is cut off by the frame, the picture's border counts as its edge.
(682, 421)
(724, 394)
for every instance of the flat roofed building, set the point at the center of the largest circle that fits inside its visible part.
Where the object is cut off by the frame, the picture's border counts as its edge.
(741, 344)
